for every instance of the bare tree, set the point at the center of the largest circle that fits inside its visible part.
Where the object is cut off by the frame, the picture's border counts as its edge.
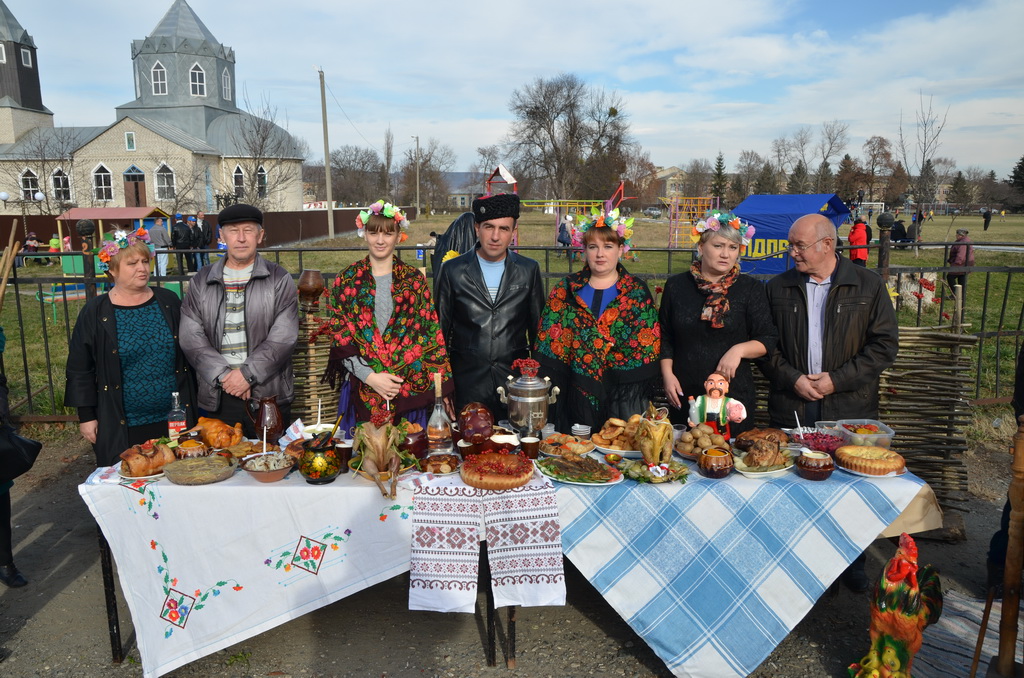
(44, 162)
(698, 178)
(929, 129)
(832, 141)
(270, 159)
(800, 146)
(560, 126)
(877, 163)
(748, 167)
(945, 170)
(436, 161)
(356, 175)
(389, 156)
(185, 191)
(487, 158)
(640, 177)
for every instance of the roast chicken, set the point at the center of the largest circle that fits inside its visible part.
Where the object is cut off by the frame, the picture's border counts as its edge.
(146, 459)
(216, 434)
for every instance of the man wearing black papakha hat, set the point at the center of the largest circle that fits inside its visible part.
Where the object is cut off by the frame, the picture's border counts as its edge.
(489, 302)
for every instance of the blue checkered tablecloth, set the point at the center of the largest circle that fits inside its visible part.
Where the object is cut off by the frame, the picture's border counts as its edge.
(713, 574)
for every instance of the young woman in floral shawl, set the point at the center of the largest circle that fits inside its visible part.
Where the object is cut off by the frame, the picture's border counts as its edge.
(599, 338)
(387, 346)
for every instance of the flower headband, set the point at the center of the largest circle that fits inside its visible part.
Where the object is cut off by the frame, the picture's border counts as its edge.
(600, 218)
(381, 208)
(716, 220)
(121, 239)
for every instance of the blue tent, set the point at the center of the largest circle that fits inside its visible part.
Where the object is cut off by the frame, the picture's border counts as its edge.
(772, 215)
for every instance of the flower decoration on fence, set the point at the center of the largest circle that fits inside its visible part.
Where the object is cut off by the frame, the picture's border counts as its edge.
(386, 209)
(118, 242)
(714, 221)
(600, 218)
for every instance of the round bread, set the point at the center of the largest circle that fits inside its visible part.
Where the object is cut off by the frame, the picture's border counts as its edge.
(494, 471)
(746, 439)
(874, 461)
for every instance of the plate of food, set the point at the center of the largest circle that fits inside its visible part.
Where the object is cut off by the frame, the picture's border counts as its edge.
(637, 470)
(764, 459)
(560, 444)
(200, 470)
(578, 470)
(870, 461)
(121, 472)
(892, 474)
(626, 454)
(440, 464)
(618, 436)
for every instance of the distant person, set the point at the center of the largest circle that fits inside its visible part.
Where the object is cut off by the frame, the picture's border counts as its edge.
(871, 213)
(931, 215)
(161, 240)
(1002, 215)
(54, 248)
(564, 238)
(181, 240)
(898, 234)
(206, 234)
(66, 244)
(920, 216)
(961, 258)
(986, 217)
(195, 238)
(859, 236)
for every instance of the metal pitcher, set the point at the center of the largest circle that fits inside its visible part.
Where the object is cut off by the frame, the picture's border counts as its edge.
(528, 399)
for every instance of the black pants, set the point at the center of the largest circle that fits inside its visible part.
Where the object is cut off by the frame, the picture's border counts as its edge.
(860, 262)
(957, 279)
(233, 411)
(6, 550)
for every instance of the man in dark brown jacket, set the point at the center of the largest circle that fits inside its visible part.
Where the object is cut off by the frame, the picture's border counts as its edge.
(837, 333)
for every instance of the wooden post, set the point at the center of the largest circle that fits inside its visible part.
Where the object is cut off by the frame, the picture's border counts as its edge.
(1014, 561)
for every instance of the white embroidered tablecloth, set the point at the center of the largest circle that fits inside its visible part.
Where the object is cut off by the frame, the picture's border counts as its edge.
(524, 546)
(714, 574)
(207, 566)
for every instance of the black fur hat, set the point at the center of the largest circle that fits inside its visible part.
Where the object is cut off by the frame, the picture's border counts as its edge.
(496, 207)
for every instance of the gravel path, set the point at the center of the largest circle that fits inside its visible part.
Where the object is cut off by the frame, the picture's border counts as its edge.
(56, 626)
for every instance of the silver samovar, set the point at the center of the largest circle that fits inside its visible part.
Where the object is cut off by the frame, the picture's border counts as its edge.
(527, 398)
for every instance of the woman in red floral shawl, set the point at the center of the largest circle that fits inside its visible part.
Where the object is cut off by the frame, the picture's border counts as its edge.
(388, 345)
(599, 338)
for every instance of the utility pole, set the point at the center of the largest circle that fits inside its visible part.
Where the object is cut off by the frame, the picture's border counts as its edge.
(417, 177)
(327, 157)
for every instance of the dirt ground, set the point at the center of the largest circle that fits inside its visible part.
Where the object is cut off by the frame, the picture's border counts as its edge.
(56, 626)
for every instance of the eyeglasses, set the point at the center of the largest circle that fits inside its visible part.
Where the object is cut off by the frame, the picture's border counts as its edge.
(797, 249)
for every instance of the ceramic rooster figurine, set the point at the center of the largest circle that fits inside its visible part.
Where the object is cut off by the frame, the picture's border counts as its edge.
(905, 601)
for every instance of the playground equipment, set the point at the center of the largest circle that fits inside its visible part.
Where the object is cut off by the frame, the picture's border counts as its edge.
(683, 213)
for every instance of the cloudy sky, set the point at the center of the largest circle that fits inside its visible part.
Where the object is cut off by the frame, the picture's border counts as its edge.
(696, 77)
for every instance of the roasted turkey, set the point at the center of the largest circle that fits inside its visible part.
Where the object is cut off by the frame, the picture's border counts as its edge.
(216, 434)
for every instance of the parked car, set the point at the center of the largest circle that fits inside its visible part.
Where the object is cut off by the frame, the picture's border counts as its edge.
(652, 212)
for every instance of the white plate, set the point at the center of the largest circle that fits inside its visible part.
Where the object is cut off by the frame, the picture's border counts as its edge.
(626, 454)
(766, 474)
(894, 474)
(575, 482)
(155, 476)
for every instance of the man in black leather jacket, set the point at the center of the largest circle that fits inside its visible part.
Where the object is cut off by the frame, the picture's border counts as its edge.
(837, 333)
(489, 302)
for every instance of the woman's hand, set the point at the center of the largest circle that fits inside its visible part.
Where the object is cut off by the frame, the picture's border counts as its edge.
(672, 388)
(387, 385)
(88, 429)
(730, 362)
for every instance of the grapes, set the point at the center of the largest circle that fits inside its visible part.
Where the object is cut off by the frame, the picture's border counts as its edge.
(820, 442)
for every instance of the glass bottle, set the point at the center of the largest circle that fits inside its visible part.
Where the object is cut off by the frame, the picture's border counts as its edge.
(439, 426)
(176, 417)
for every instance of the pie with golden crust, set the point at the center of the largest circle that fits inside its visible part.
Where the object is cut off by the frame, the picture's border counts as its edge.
(495, 471)
(874, 461)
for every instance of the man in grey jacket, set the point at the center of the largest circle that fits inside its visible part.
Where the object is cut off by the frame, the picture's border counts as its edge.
(161, 240)
(239, 324)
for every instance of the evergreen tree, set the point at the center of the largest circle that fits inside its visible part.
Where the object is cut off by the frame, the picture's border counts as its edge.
(927, 184)
(719, 182)
(824, 180)
(765, 184)
(848, 179)
(897, 186)
(960, 192)
(798, 180)
(1017, 175)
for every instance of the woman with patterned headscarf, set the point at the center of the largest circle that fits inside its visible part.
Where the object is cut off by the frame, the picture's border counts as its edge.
(387, 343)
(599, 337)
(714, 319)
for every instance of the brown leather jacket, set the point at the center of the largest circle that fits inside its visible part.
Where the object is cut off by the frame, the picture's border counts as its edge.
(861, 339)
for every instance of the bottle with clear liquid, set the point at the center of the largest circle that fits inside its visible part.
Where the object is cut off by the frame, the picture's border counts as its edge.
(439, 426)
(176, 417)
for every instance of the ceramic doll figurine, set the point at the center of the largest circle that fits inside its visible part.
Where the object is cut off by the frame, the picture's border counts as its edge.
(715, 409)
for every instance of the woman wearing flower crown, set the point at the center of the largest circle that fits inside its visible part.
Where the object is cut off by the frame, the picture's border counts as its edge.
(387, 343)
(599, 338)
(124, 360)
(714, 320)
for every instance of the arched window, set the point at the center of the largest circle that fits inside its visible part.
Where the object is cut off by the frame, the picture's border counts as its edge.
(261, 182)
(29, 185)
(164, 183)
(197, 77)
(239, 181)
(159, 76)
(225, 84)
(101, 184)
(61, 186)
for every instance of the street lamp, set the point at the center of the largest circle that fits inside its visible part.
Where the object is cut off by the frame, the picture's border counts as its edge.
(35, 199)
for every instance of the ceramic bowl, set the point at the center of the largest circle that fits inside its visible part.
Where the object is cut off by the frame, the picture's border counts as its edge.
(714, 463)
(814, 465)
(267, 476)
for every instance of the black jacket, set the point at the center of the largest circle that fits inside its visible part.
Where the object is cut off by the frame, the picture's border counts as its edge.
(181, 236)
(484, 337)
(860, 340)
(94, 373)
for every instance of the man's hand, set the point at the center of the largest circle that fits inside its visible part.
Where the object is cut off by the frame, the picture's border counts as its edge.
(385, 384)
(88, 429)
(806, 389)
(822, 383)
(234, 383)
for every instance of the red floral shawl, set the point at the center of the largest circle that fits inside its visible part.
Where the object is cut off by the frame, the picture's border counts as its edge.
(411, 347)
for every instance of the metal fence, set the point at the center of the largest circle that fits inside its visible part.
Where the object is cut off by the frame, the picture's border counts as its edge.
(40, 314)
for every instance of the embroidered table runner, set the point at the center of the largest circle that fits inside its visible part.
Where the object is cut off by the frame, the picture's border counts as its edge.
(524, 545)
(714, 574)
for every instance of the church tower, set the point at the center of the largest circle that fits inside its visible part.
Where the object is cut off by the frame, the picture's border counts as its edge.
(21, 98)
(183, 76)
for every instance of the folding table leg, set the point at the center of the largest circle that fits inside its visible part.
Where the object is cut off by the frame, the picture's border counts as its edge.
(485, 579)
(510, 650)
(107, 565)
